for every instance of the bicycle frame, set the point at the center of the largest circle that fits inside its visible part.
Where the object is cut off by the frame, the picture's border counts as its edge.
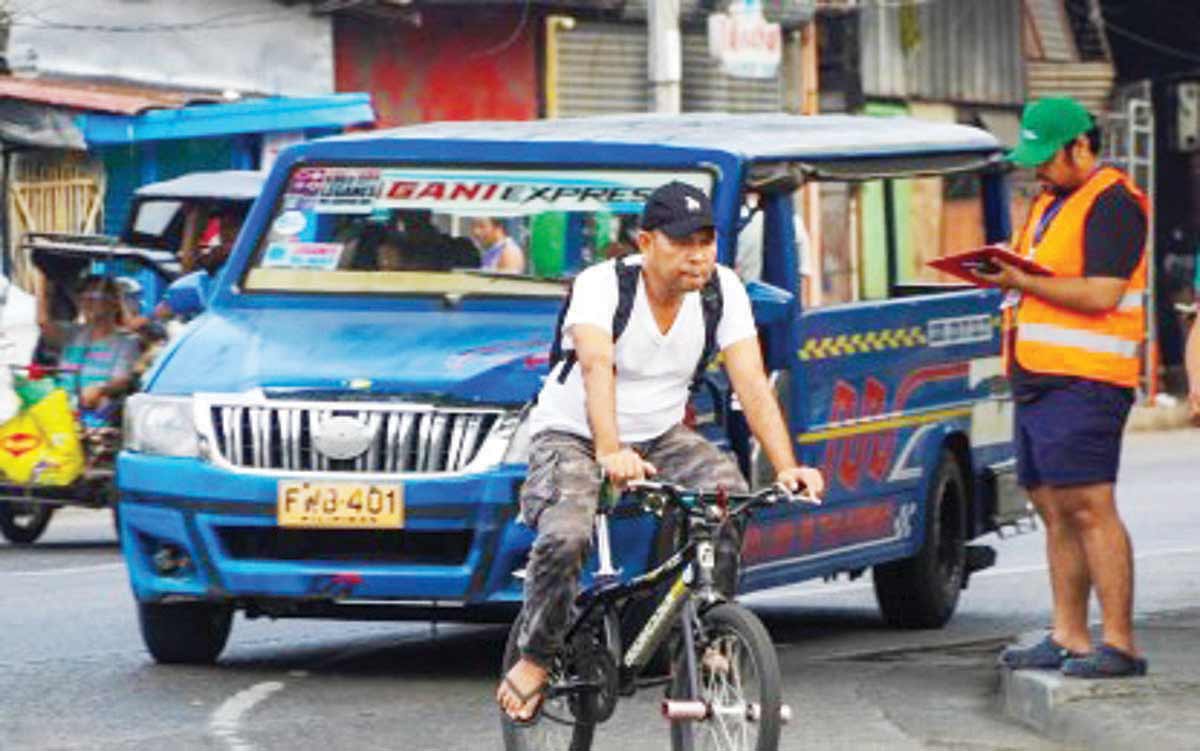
(677, 606)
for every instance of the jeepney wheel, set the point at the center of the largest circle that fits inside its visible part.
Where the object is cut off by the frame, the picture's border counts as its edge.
(24, 523)
(922, 591)
(184, 633)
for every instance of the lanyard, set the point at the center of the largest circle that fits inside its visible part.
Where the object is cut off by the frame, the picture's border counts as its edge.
(1047, 217)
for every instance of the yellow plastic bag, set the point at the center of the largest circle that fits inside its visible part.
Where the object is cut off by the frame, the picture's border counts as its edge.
(41, 445)
(21, 446)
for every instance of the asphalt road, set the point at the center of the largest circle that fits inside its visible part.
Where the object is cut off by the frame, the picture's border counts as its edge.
(74, 675)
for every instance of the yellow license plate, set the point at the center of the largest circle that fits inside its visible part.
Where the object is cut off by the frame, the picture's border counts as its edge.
(333, 505)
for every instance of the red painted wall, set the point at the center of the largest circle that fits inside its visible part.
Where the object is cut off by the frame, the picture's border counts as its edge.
(455, 66)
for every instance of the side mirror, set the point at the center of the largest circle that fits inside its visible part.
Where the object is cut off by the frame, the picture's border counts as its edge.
(188, 295)
(770, 304)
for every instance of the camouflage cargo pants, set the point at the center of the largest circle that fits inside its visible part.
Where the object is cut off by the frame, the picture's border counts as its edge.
(559, 500)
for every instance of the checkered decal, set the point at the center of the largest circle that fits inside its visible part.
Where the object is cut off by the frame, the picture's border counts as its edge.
(863, 342)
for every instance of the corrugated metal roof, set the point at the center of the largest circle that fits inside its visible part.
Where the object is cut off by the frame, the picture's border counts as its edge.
(121, 99)
(263, 115)
(1053, 29)
(785, 12)
(956, 52)
(1090, 83)
(764, 137)
(232, 184)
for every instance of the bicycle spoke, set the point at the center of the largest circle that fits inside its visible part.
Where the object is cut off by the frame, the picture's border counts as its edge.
(729, 673)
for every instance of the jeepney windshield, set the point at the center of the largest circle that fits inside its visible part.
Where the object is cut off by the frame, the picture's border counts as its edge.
(429, 230)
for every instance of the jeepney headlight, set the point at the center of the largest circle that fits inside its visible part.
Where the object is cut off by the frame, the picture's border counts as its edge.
(162, 425)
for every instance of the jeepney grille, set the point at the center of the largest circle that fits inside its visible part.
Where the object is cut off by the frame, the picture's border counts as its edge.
(429, 440)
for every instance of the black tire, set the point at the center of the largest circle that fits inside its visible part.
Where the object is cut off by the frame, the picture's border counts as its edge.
(116, 521)
(922, 591)
(545, 734)
(727, 627)
(24, 523)
(187, 633)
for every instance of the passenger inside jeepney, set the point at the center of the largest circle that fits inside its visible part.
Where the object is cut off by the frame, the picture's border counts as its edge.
(209, 232)
(96, 349)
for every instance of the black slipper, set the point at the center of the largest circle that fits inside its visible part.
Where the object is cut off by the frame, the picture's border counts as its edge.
(1105, 661)
(1046, 654)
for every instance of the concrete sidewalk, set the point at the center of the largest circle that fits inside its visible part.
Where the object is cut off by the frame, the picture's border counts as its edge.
(1159, 417)
(1160, 712)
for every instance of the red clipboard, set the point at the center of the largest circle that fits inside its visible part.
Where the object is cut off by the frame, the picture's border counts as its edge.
(962, 265)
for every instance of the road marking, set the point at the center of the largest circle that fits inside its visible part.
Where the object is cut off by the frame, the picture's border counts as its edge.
(818, 591)
(63, 571)
(225, 719)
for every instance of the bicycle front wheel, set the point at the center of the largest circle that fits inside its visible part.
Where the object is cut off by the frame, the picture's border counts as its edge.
(557, 727)
(739, 683)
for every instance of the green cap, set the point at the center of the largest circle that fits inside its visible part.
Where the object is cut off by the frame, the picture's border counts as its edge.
(1046, 126)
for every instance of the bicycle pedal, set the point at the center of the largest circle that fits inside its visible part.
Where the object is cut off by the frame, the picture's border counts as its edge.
(573, 687)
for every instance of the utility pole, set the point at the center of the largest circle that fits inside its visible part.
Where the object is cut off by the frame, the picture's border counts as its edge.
(665, 63)
(809, 105)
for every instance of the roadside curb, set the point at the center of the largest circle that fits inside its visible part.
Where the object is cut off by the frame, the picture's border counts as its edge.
(1159, 417)
(1118, 714)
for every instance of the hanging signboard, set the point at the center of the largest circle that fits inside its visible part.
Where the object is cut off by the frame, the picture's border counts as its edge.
(744, 42)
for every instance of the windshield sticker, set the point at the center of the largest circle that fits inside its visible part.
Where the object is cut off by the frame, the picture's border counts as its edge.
(332, 190)
(314, 256)
(289, 223)
(478, 192)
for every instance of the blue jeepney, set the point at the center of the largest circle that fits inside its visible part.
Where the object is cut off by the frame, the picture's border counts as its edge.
(341, 433)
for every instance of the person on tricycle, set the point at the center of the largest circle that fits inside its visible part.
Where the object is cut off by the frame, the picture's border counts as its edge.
(96, 354)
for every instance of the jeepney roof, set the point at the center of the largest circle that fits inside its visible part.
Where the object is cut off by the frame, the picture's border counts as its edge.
(234, 185)
(753, 137)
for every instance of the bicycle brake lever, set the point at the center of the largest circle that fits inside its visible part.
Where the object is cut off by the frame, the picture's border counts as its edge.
(804, 496)
(807, 498)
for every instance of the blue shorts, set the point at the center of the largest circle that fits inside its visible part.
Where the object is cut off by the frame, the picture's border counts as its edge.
(1071, 435)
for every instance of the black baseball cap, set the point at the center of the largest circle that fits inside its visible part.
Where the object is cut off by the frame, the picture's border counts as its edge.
(678, 210)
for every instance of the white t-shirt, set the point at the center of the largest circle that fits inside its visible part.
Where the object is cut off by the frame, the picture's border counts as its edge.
(654, 369)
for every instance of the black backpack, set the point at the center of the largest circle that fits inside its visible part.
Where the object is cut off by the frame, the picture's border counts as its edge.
(711, 303)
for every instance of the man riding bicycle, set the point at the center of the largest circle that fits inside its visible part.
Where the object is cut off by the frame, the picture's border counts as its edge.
(635, 336)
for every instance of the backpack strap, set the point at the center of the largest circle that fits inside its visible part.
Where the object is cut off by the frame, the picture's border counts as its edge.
(712, 304)
(627, 281)
(627, 278)
(556, 349)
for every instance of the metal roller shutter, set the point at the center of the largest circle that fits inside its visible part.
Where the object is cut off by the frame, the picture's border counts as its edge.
(707, 89)
(602, 70)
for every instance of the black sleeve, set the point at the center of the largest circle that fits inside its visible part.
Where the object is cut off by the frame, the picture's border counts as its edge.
(1115, 235)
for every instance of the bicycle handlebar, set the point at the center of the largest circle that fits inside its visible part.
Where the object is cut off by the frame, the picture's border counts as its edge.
(655, 495)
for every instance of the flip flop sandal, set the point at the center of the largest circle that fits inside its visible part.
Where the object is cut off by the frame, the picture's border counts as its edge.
(1046, 654)
(538, 692)
(1105, 662)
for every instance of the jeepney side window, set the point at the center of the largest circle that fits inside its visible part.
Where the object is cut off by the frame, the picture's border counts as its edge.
(751, 239)
(908, 222)
(157, 223)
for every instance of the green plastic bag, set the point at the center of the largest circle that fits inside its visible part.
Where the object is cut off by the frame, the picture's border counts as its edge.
(31, 390)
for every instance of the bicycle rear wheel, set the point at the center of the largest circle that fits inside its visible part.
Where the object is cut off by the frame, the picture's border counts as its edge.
(557, 727)
(739, 679)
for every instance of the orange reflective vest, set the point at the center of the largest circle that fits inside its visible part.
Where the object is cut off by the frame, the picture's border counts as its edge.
(1056, 341)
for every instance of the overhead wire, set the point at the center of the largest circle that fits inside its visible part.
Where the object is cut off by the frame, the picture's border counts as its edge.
(25, 17)
(512, 38)
(1152, 44)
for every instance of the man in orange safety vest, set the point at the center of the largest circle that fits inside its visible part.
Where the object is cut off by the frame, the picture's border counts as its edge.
(1072, 345)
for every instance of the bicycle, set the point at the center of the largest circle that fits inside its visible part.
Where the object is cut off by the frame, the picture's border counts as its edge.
(724, 675)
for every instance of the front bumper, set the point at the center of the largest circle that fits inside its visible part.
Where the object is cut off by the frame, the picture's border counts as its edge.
(460, 543)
